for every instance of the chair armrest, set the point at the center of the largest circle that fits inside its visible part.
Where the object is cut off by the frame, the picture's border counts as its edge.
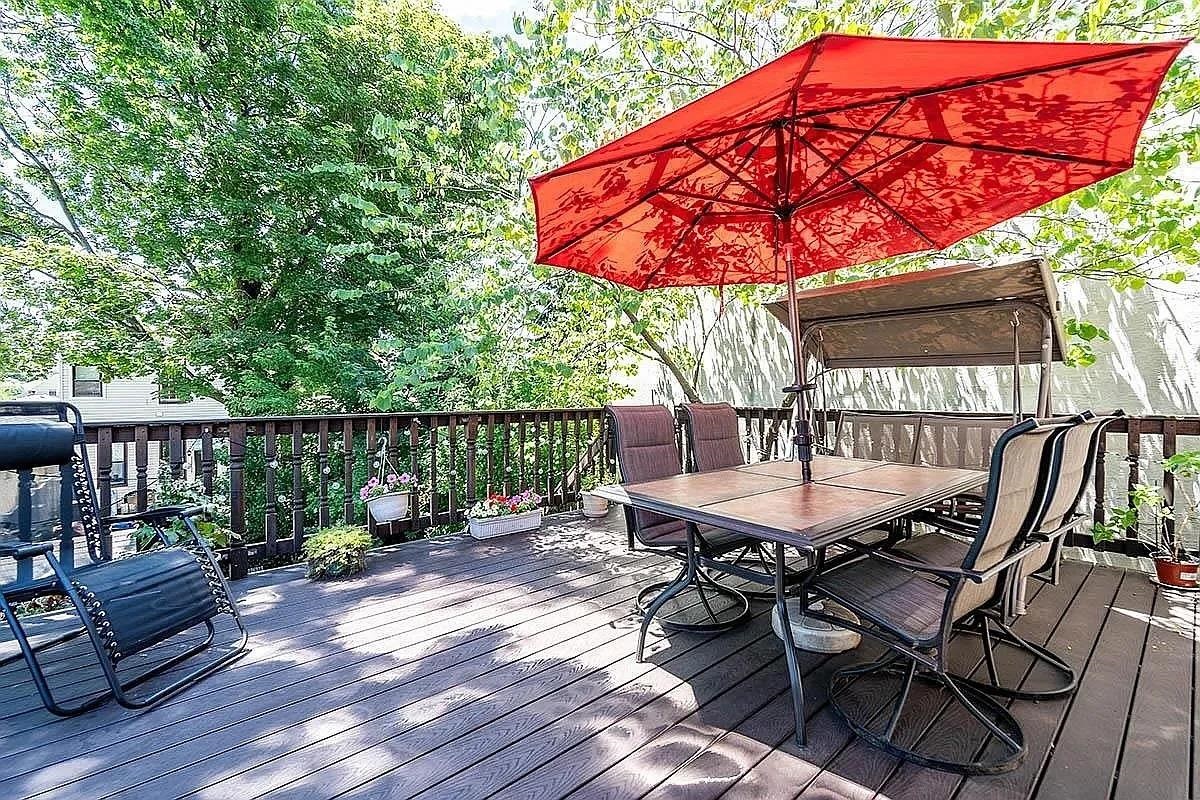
(907, 563)
(156, 515)
(25, 549)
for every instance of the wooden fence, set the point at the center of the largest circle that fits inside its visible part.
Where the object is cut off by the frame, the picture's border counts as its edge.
(284, 477)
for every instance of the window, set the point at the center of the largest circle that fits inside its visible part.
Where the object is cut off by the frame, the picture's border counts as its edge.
(166, 393)
(118, 475)
(85, 382)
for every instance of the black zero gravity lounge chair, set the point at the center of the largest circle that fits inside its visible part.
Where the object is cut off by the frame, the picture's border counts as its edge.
(647, 450)
(125, 605)
(912, 607)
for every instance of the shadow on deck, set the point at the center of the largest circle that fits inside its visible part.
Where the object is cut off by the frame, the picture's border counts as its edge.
(459, 669)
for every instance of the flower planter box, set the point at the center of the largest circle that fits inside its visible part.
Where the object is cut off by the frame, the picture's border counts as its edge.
(491, 527)
(389, 507)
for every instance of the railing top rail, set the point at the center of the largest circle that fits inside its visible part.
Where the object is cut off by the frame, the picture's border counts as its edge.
(376, 415)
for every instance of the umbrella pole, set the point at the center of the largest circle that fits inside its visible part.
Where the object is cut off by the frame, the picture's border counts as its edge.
(802, 441)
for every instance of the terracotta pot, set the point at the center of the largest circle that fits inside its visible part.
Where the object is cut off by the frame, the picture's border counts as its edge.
(1176, 573)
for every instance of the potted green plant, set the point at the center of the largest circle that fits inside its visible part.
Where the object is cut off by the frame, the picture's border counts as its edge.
(498, 514)
(1150, 507)
(337, 552)
(594, 506)
(387, 496)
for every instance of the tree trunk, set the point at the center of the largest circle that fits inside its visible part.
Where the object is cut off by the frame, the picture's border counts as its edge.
(660, 352)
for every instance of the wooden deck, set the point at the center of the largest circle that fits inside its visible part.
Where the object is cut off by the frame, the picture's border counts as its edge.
(466, 670)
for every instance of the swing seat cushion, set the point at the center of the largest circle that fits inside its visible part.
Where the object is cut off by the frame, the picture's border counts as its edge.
(142, 600)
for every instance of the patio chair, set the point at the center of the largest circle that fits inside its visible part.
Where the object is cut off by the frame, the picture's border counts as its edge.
(125, 605)
(646, 450)
(1080, 446)
(912, 607)
(715, 442)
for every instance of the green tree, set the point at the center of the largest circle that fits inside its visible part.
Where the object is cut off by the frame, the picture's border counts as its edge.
(247, 196)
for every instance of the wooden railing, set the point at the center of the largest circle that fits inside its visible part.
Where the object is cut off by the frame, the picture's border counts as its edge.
(285, 477)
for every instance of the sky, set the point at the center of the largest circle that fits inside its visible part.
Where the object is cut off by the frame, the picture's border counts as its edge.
(484, 16)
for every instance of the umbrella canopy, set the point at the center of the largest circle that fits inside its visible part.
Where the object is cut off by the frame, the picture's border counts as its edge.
(850, 149)
(846, 150)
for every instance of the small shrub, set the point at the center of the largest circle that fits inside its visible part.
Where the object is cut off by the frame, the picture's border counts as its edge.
(337, 552)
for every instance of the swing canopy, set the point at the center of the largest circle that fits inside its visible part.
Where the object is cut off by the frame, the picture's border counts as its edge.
(952, 316)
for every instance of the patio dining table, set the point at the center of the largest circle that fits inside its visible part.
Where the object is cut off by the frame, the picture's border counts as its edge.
(770, 501)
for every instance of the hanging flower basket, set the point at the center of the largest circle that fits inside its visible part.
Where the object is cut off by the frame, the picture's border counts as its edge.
(499, 515)
(388, 498)
(389, 507)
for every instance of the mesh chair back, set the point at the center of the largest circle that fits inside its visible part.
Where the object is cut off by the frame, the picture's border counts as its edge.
(644, 438)
(714, 439)
(1080, 447)
(1023, 473)
(46, 488)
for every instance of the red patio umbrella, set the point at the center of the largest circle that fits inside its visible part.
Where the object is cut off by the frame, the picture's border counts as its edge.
(846, 150)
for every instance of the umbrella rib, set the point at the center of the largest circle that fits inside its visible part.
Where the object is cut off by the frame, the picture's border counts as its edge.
(567, 169)
(863, 188)
(820, 197)
(795, 103)
(641, 199)
(837, 165)
(987, 148)
(732, 175)
(696, 219)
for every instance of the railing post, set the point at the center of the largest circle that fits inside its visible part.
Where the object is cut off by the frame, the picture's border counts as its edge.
(433, 472)
(1133, 441)
(141, 460)
(414, 469)
(348, 471)
(297, 487)
(239, 560)
(175, 450)
(104, 443)
(373, 466)
(271, 490)
(452, 454)
(472, 439)
(323, 473)
(1170, 429)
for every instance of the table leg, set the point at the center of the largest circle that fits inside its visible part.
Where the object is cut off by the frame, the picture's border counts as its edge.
(789, 646)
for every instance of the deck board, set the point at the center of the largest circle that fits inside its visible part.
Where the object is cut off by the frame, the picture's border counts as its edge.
(459, 669)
